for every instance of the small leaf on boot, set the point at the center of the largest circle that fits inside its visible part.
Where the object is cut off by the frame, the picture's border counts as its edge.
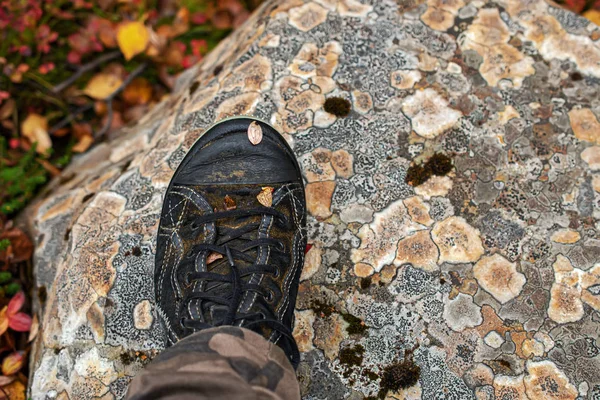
(265, 197)
(229, 203)
(255, 133)
(213, 257)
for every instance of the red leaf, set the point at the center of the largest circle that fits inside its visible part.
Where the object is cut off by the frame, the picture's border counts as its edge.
(15, 304)
(20, 322)
(12, 363)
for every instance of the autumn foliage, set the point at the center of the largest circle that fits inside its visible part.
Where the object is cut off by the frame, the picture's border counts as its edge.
(72, 72)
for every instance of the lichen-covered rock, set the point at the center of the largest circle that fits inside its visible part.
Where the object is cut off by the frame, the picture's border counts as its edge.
(487, 277)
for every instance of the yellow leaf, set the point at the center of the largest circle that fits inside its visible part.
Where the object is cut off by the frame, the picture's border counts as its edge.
(102, 85)
(132, 38)
(15, 391)
(593, 15)
(3, 320)
(265, 197)
(139, 91)
(35, 128)
(12, 363)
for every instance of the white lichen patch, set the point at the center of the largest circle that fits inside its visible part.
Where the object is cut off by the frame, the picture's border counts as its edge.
(499, 277)
(461, 313)
(429, 113)
(458, 241)
(569, 291)
(379, 239)
(307, 16)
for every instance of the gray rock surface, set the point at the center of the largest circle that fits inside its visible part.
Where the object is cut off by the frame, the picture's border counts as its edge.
(487, 278)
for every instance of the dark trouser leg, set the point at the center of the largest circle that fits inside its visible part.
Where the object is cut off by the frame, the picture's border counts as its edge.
(219, 363)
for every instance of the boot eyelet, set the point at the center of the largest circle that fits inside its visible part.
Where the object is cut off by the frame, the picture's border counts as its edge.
(277, 273)
(187, 278)
(182, 322)
(270, 296)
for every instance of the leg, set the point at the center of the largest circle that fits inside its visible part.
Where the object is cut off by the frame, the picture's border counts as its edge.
(219, 363)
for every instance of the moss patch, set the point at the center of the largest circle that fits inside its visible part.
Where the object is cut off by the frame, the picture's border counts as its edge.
(355, 324)
(399, 376)
(438, 164)
(337, 106)
(322, 309)
(351, 357)
(365, 283)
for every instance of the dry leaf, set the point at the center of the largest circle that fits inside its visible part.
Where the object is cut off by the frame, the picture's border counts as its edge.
(35, 128)
(213, 257)
(15, 390)
(20, 248)
(5, 380)
(132, 38)
(3, 320)
(265, 197)
(12, 363)
(35, 327)
(7, 109)
(229, 203)
(139, 91)
(593, 15)
(102, 86)
(255, 133)
(83, 144)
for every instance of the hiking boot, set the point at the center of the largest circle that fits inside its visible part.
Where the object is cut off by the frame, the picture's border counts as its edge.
(231, 238)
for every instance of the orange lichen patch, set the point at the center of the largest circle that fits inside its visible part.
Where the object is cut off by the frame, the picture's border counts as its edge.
(342, 163)
(458, 241)
(330, 332)
(270, 40)
(363, 270)
(545, 381)
(379, 238)
(518, 338)
(491, 322)
(314, 61)
(509, 387)
(362, 102)
(429, 113)
(418, 210)
(60, 208)
(142, 315)
(317, 165)
(418, 250)
(353, 8)
(404, 79)
(596, 183)
(312, 262)
(591, 156)
(303, 329)
(488, 35)
(308, 16)
(318, 198)
(565, 236)
(585, 125)
(252, 76)
(532, 348)
(242, 104)
(95, 319)
(438, 19)
(569, 291)
(499, 277)
(200, 99)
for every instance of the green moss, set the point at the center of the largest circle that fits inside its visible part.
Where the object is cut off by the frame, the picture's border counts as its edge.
(399, 376)
(337, 106)
(355, 325)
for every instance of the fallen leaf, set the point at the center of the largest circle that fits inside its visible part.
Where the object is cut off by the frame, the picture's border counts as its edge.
(593, 15)
(132, 38)
(139, 91)
(12, 363)
(3, 320)
(265, 197)
(83, 144)
(35, 327)
(5, 380)
(7, 109)
(20, 248)
(19, 322)
(102, 86)
(15, 304)
(35, 128)
(255, 133)
(229, 203)
(15, 390)
(213, 257)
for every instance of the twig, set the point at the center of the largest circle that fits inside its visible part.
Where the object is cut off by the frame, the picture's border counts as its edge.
(70, 117)
(110, 98)
(85, 68)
